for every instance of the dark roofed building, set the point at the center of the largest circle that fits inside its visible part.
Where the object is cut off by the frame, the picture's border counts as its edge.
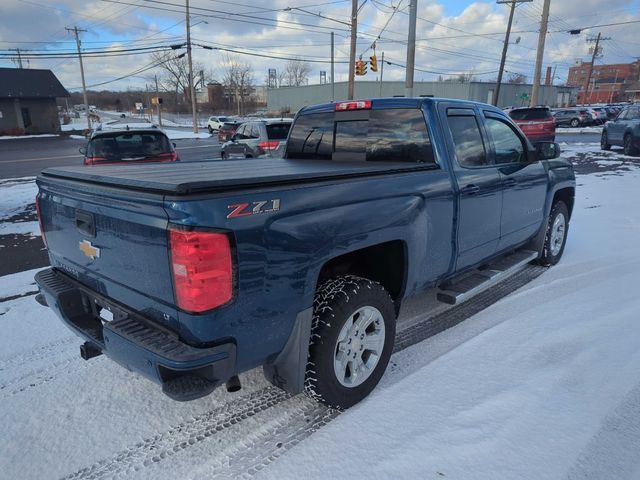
(28, 101)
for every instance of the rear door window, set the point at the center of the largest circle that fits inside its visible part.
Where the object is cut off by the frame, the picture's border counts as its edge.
(278, 131)
(469, 146)
(388, 135)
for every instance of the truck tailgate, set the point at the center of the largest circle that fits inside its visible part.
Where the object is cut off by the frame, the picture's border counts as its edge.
(114, 241)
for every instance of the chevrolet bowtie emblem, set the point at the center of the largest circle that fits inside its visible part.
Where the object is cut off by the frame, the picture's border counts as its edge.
(89, 250)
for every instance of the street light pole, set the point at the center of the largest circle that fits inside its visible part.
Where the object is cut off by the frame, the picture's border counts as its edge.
(333, 82)
(192, 90)
(411, 49)
(352, 51)
(506, 45)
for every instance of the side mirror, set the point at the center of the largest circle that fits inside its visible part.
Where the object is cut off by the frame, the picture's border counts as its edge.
(174, 144)
(83, 150)
(547, 150)
(233, 138)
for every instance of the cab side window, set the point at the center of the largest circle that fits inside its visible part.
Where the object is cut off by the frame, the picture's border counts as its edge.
(468, 142)
(508, 145)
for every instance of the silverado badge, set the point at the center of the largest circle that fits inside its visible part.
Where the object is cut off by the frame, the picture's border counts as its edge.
(89, 250)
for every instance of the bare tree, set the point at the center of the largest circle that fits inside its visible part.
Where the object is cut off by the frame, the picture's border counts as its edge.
(238, 80)
(296, 73)
(517, 78)
(174, 76)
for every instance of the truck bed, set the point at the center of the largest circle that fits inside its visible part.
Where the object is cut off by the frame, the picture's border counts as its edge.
(181, 178)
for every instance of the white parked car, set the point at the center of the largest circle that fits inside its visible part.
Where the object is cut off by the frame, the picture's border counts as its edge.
(214, 123)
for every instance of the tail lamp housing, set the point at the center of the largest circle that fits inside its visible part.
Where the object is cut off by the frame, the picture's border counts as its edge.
(202, 268)
(40, 224)
(269, 145)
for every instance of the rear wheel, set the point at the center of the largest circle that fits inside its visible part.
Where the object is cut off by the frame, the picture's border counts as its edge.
(352, 337)
(223, 155)
(575, 123)
(629, 149)
(210, 129)
(556, 236)
(604, 141)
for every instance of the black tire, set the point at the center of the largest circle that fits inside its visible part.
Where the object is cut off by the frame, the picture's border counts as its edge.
(629, 149)
(338, 300)
(210, 130)
(223, 155)
(551, 255)
(575, 123)
(604, 141)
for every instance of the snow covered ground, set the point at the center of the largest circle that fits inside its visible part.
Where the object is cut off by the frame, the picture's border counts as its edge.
(592, 129)
(40, 135)
(542, 384)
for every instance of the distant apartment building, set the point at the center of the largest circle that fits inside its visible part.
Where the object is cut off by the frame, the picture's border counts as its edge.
(609, 83)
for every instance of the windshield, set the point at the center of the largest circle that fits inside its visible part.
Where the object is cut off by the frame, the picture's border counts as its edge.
(129, 145)
(530, 114)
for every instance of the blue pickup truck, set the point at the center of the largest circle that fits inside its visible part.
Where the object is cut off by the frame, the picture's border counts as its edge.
(191, 273)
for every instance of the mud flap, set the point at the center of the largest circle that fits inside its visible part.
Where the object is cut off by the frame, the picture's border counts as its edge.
(287, 370)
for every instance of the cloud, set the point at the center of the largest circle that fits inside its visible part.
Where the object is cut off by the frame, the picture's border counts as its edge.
(469, 41)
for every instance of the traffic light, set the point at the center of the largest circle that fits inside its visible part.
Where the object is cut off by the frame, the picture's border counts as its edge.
(373, 62)
(361, 67)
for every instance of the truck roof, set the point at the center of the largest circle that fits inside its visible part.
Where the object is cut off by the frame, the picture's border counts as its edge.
(396, 102)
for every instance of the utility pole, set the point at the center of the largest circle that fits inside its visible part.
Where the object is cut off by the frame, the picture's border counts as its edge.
(381, 72)
(19, 59)
(411, 49)
(540, 54)
(352, 50)
(76, 30)
(192, 90)
(593, 59)
(506, 45)
(333, 82)
(158, 100)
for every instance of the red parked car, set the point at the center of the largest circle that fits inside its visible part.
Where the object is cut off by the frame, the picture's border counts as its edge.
(537, 123)
(227, 130)
(129, 146)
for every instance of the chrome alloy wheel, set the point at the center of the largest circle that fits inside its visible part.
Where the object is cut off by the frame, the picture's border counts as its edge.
(557, 234)
(359, 346)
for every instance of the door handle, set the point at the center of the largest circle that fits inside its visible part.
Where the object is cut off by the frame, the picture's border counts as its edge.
(510, 182)
(470, 189)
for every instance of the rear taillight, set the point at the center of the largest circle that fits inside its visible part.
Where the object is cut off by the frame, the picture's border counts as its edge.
(202, 269)
(168, 157)
(270, 145)
(94, 160)
(356, 105)
(38, 211)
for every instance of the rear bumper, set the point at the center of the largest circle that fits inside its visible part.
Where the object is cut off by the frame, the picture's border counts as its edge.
(138, 344)
(541, 137)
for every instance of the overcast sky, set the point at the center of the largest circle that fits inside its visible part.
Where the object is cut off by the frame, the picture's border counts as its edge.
(454, 36)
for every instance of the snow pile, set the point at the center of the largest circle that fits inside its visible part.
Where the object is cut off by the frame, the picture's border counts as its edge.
(41, 135)
(593, 129)
(17, 195)
(547, 388)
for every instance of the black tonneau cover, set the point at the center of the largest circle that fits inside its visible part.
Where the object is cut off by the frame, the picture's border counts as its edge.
(181, 178)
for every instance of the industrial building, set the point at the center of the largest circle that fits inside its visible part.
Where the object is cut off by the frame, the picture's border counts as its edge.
(291, 99)
(609, 83)
(28, 101)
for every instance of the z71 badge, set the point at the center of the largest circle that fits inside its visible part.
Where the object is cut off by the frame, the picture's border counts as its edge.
(246, 209)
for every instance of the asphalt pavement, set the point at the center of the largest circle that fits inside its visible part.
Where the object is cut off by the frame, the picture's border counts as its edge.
(26, 157)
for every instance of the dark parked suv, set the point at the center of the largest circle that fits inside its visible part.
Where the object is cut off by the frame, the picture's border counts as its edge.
(129, 146)
(624, 131)
(258, 138)
(573, 117)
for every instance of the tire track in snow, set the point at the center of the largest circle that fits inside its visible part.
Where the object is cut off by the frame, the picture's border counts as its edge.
(162, 445)
(44, 351)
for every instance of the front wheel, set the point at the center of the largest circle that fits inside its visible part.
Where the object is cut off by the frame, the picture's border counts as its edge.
(575, 123)
(629, 149)
(352, 337)
(604, 141)
(556, 235)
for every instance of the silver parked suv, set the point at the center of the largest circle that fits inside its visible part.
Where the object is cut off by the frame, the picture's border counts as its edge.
(258, 138)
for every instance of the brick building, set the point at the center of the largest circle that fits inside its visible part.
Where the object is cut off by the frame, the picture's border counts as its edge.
(609, 83)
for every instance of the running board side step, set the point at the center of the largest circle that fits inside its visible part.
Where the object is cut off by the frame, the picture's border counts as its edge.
(458, 290)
